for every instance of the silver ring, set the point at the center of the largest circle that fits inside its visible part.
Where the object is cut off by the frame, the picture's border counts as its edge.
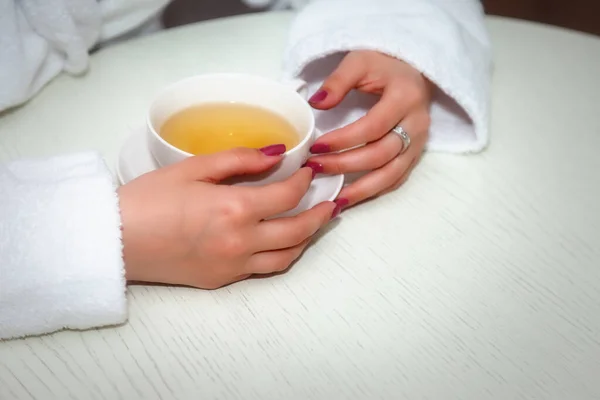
(404, 136)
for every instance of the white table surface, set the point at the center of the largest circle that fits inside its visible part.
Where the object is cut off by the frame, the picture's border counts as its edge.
(479, 279)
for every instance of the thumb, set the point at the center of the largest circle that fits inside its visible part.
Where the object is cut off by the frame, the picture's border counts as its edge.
(239, 161)
(341, 81)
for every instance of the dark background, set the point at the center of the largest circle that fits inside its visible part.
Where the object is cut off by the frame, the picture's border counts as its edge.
(582, 15)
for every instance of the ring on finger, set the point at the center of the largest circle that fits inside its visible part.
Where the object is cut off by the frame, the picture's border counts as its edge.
(404, 136)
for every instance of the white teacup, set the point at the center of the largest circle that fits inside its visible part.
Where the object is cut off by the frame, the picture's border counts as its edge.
(281, 98)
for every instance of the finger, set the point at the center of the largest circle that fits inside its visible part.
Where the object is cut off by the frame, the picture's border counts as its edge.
(276, 198)
(220, 281)
(239, 161)
(371, 156)
(341, 81)
(281, 233)
(376, 181)
(379, 120)
(240, 278)
(275, 261)
(404, 177)
(419, 122)
(400, 181)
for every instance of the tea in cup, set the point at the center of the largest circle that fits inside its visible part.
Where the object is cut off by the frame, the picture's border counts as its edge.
(206, 114)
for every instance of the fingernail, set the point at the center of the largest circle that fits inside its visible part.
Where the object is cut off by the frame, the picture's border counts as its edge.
(320, 148)
(342, 202)
(318, 97)
(336, 211)
(274, 150)
(316, 167)
(339, 206)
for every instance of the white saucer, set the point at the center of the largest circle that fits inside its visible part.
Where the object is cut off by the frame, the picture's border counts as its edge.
(135, 159)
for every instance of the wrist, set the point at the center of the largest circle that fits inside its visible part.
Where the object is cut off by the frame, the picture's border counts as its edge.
(128, 260)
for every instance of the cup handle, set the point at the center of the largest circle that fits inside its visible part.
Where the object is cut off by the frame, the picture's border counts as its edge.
(297, 85)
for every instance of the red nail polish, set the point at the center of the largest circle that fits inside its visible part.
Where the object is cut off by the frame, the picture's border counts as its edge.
(342, 202)
(318, 97)
(274, 150)
(316, 167)
(320, 148)
(339, 206)
(336, 211)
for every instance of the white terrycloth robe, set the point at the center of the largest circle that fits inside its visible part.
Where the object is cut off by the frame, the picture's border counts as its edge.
(60, 238)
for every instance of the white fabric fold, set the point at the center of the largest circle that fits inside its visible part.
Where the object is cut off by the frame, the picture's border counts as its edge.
(60, 246)
(445, 40)
(41, 39)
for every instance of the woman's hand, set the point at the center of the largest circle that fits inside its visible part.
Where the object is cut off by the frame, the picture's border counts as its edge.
(180, 227)
(405, 101)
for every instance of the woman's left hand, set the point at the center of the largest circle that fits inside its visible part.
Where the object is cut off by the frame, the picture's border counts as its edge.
(405, 101)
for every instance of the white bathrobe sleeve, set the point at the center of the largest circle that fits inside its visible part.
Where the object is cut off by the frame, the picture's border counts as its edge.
(446, 40)
(60, 246)
(41, 39)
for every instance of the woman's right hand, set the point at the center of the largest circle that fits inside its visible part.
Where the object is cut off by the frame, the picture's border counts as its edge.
(181, 227)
